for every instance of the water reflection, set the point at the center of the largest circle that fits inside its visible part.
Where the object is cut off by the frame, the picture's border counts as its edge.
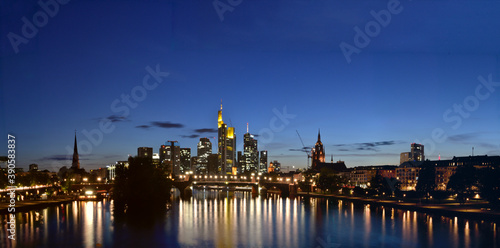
(237, 219)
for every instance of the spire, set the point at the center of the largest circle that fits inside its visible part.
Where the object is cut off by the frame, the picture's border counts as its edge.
(332, 158)
(247, 127)
(76, 160)
(319, 135)
(219, 120)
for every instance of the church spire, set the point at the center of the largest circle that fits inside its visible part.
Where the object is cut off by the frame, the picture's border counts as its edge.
(76, 160)
(319, 136)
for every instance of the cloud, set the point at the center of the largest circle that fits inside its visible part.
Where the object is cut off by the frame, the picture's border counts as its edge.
(60, 158)
(463, 137)
(143, 126)
(192, 136)
(206, 130)
(166, 124)
(366, 146)
(116, 118)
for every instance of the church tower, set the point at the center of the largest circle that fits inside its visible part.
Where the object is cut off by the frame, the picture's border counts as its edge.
(318, 153)
(76, 160)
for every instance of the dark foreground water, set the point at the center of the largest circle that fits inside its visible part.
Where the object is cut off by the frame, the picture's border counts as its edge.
(222, 219)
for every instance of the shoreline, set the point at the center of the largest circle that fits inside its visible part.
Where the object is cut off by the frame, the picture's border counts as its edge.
(25, 206)
(439, 209)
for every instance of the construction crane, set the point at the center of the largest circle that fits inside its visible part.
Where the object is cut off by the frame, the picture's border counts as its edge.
(305, 149)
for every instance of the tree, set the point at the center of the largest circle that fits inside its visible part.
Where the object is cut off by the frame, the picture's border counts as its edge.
(462, 182)
(384, 185)
(305, 185)
(327, 180)
(141, 188)
(489, 185)
(426, 179)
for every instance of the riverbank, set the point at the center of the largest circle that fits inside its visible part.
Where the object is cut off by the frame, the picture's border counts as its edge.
(23, 206)
(470, 211)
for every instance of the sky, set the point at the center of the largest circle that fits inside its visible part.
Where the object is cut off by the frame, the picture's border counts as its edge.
(373, 76)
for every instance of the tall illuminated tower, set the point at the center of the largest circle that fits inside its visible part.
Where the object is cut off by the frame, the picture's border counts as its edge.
(221, 168)
(251, 154)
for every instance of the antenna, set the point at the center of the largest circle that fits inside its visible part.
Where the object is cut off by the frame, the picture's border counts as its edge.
(472, 151)
(247, 126)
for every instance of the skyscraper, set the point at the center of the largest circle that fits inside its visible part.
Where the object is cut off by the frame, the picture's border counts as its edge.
(226, 146)
(204, 150)
(317, 153)
(404, 157)
(166, 155)
(417, 152)
(263, 162)
(185, 159)
(145, 152)
(76, 160)
(250, 152)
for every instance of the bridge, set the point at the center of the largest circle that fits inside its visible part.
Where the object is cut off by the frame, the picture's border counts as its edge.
(257, 184)
(27, 192)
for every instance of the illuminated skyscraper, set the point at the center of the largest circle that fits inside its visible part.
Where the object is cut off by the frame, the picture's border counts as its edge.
(204, 150)
(226, 146)
(185, 159)
(263, 162)
(166, 157)
(250, 152)
(417, 152)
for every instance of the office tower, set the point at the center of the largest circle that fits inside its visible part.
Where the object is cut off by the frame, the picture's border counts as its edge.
(145, 152)
(204, 150)
(404, 157)
(226, 146)
(417, 152)
(241, 162)
(166, 157)
(263, 162)
(317, 153)
(213, 164)
(185, 157)
(250, 152)
(76, 160)
(274, 166)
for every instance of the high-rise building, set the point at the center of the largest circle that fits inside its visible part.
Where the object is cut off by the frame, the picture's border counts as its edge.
(185, 157)
(204, 150)
(241, 162)
(404, 157)
(231, 151)
(226, 146)
(76, 160)
(274, 166)
(145, 152)
(166, 156)
(213, 163)
(417, 152)
(317, 153)
(263, 162)
(250, 152)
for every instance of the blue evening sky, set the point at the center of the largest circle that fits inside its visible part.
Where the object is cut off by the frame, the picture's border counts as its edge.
(259, 57)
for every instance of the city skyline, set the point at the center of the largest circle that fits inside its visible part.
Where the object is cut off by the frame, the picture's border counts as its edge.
(409, 84)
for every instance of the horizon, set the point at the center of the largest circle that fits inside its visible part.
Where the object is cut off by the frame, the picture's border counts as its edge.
(138, 74)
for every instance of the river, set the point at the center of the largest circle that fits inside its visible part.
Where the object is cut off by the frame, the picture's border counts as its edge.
(236, 219)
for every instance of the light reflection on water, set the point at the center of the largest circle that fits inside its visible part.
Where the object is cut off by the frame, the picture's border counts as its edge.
(236, 219)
